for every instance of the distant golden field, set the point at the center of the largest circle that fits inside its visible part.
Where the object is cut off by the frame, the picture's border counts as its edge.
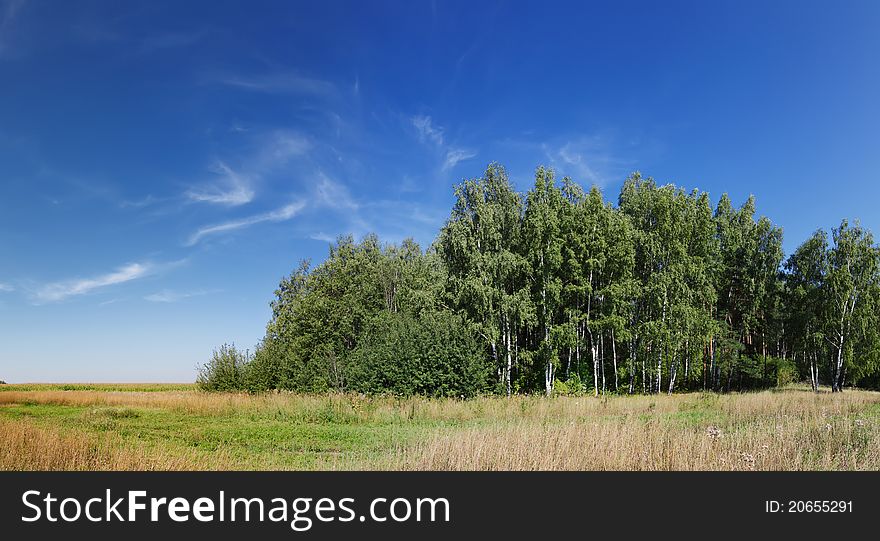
(167, 427)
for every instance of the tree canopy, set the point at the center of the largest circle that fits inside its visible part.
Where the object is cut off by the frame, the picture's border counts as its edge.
(559, 290)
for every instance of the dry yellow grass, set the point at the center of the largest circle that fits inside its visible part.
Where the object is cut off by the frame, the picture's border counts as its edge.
(788, 430)
(367, 409)
(29, 448)
(192, 401)
(762, 431)
(632, 445)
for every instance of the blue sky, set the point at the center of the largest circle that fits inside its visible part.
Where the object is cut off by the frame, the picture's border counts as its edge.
(164, 164)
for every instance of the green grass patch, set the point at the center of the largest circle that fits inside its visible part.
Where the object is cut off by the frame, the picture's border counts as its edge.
(268, 439)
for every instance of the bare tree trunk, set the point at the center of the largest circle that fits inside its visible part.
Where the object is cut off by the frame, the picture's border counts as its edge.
(814, 380)
(659, 367)
(594, 349)
(835, 387)
(602, 359)
(660, 348)
(673, 371)
(495, 358)
(713, 379)
(764, 353)
(514, 336)
(632, 364)
(614, 358)
(509, 361)
(687, 361)
(568, 364)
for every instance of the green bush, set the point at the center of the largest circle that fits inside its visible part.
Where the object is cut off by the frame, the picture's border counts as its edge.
(225, 371)
(265, 370)
(436, 355)
(573, 386)
(786, 371)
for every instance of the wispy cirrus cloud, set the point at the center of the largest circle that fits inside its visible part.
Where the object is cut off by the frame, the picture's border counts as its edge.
(323, 237)
(6, 288)
(430, 133)
(168, 296)
(278, 147)
(426, 130)
(279, 82)
(236, 187)
(235, 190)
(587, 159)
(61, 290)
(456, 155)
(143, 202)
(576, 160)
(330, 193)
(282, 214)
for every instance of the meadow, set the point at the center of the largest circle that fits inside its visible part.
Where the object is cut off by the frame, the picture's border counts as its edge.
(176, 427)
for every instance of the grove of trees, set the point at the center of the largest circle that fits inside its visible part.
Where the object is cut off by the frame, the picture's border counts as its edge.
(560, 291)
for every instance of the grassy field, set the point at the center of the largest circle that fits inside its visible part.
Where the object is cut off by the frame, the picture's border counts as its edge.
(167, 427)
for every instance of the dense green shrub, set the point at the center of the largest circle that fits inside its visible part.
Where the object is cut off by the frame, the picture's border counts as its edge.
(265, 369)
(437, 354)
(225, 371)
(785, 369)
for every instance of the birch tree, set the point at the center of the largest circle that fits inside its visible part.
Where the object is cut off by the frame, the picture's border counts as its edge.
(851, 283)
(480, 247)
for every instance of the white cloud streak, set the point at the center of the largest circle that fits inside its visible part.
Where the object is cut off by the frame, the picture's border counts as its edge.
(236, 187)
(587, 159)
(330, 193)
(279, 215)
(167, 296)
(281, 83)
(429, 133)
(426, 130)
(569, 155)
(143, 202)
(6, 288)
(280, 147)
(456, 155)
(58, 291)
(237, 191)
(323, 237)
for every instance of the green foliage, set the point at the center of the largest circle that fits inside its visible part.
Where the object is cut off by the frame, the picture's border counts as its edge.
(833, 293)
(786, 371)
(225, 371)
(266, 369)
(572, 386)
(557, 291)
(435, 355)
